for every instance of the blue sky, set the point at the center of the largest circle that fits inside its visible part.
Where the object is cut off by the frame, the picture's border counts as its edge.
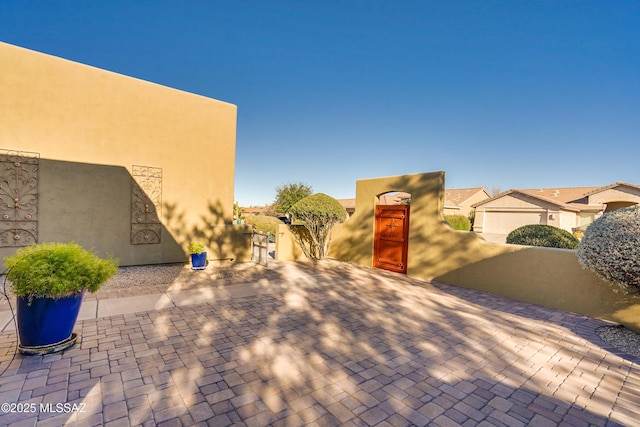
(505, 94)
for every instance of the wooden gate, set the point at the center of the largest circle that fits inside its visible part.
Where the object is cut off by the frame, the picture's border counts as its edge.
(260, 248)
(391, 239)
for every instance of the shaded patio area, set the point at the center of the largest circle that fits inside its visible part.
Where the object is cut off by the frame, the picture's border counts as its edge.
(346, 346)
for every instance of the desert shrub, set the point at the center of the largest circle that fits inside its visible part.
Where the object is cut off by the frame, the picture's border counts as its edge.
(263, 223)
(458, 222)
(542, 235)
(196, 248)
(610, 248)
(318, 214)
(56, 270)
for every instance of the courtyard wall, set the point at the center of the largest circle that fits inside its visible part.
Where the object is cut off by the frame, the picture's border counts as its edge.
(545, 276)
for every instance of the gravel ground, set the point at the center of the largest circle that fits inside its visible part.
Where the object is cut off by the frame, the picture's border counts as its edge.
(150, 279)
(150, 275)
(140, 280)
(621, 338)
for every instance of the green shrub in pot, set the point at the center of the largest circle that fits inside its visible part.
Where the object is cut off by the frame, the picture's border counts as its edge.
(56, 270)
(49, 281)
(196, 248)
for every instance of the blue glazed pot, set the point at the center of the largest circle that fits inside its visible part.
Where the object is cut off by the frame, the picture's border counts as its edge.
(47, 320)
(198, 261)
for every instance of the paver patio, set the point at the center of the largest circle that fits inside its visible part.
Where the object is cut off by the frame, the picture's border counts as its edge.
(355, 346)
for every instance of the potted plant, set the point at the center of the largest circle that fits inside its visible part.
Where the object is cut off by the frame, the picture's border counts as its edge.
(198, 255)
(49, 281)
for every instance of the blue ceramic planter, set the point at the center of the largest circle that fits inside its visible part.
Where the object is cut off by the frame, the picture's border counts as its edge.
(198, 261)
(47, 321)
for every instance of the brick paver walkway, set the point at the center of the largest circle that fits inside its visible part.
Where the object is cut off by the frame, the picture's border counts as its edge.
(354, 347)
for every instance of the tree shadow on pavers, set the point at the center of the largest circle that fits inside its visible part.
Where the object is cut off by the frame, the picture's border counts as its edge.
(369, 347)
(354, 344)
(54, 390)
(581, 325)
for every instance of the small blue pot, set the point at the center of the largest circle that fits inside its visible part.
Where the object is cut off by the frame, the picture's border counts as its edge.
(198, 261)
(47, 320)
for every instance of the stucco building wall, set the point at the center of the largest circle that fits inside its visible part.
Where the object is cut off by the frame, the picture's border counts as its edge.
(620, 194)
(90, 127)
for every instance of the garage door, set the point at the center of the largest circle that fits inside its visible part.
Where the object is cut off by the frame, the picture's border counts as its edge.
(506, 222)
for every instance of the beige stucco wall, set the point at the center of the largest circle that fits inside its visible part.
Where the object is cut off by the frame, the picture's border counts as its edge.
(90, 126)
(466, 208)
(550, 277)
(453, 211)
(286, 247)
(568, 220)
(616, 194)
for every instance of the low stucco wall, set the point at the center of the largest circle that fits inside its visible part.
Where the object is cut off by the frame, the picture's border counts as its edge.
(549, 277)
(286, 247)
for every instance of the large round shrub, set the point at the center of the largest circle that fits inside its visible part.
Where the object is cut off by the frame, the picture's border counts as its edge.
(458, 222)
(318, 214)
(542, 235)
(611, 248)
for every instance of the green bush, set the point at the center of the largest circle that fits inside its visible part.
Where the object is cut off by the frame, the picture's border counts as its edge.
(289, 194)
(542, 235)
(263, 223)
(472, 217)
(610, 248)
(56, 270)
(318, 214)
(458, 222)
(196, 248)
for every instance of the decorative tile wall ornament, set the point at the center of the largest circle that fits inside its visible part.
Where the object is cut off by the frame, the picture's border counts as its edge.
(146, 205)
(18, 198)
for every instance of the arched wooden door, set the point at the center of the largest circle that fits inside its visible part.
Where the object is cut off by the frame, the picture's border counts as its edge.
(391, 239)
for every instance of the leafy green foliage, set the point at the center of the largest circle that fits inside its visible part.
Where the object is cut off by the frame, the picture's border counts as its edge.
(472, 218)
(288, 195)
(318, 214)
(610, 248)
(458, 222)
(196, 248)
(542, 235)
(56, 270)
(263, 223)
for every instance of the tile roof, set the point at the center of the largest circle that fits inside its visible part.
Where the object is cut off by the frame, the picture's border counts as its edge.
(560, 195)
(457, 196)
(571, 198)
(348, 203)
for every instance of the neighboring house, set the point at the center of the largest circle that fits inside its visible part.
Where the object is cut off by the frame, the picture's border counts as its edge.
(566, 208)
(394, 198)
(460, 201)
(457, 201)
(349, 205)
(114, 163)
(252, 210)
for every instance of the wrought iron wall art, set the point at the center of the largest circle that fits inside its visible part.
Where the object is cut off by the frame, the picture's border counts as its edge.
(146, 205)
(18, 198)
